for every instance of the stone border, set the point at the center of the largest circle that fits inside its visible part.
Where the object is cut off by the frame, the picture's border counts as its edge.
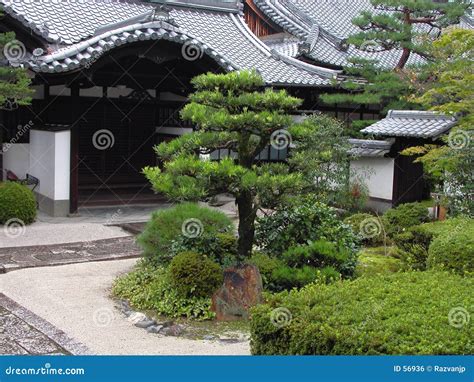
(53, 333)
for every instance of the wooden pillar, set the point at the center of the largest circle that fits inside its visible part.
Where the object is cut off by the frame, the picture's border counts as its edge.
(74, 179)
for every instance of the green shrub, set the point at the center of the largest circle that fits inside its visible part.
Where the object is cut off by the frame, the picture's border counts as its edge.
(453, 251)
(368, 227)
(220, 247)
(194, 275)
(399, 219)
(413, 244)
(298, 225)
(318, 254)
(278, 276)
(167, 225)
(266, 265)
(403, 313)
(150, 288)
(17, 202)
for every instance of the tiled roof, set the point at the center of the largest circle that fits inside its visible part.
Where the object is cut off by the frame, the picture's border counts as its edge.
(79, 32)
(369, 148)
(324, 26)
(407, 123)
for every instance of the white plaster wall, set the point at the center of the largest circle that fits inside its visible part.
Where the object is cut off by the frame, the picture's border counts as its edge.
(16, 158)
(50, 162)
(377, 173)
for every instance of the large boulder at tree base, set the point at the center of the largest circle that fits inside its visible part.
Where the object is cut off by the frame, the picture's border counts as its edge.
(241, 290)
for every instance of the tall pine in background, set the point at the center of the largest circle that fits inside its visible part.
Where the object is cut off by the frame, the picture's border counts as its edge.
(404, 27)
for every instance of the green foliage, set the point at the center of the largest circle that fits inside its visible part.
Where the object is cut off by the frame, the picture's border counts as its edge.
(231, 111)
(399, 25)
(453, 251)
(14, 81)
(16, 202)
(404, 313)
(321, 155)
(446, 86)
(166, 227)
(307, 221)
(150, 288)
(377, 260)
(354, 196)
(194, 275)
(278, 276)
(414, 243)
(358, 223)
(397, 220)
(220, 247)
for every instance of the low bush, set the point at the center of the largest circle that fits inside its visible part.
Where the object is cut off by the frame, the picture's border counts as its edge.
(298, 225)
(399, 219)
(413, 244)
(278, 276)
(453, 251)
(368, 227)
(187, 219)
(404, 313)
(319, 254)
(194, 275)
(150, 288)
(220, 247)
(17, 202)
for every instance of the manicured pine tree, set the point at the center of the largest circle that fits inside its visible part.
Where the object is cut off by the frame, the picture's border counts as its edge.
(230, 111)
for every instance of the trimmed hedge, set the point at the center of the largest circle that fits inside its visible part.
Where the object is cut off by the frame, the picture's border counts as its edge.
(194, 275)
(404, 313)
(17, 202)
(362, 222)
(453, 251)
(397, 220)
(167, 225)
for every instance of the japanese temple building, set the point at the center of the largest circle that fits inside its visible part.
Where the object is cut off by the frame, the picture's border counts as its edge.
(110, 77)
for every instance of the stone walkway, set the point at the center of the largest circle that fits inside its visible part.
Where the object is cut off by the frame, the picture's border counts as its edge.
(45, 255)
(23, 332)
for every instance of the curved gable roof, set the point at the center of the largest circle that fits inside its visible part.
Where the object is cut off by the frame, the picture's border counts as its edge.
(79, 32)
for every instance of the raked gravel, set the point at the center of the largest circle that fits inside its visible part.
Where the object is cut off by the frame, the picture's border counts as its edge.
(75, 298)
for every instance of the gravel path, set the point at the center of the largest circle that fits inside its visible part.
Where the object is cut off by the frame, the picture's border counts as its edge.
(74, 298)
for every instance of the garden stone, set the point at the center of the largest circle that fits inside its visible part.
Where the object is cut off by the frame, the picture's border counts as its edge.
(136, 317)
(209, 337)
(154, 329)
(145, 323)
(174, 330)
(242, 289)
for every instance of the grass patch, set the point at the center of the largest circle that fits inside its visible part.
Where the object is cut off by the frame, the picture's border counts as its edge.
(377, 260)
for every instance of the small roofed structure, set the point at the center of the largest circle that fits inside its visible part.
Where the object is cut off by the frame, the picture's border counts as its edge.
(412, 124)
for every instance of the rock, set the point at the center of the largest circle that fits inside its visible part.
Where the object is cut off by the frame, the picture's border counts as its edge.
(242, 289)
(167, 324)
(154, 329)
(145, 323)
(136, 317)
(221, 199)
(209, 337)
(174, 330)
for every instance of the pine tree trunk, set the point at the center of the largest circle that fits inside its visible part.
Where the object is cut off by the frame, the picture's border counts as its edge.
(247, 215)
